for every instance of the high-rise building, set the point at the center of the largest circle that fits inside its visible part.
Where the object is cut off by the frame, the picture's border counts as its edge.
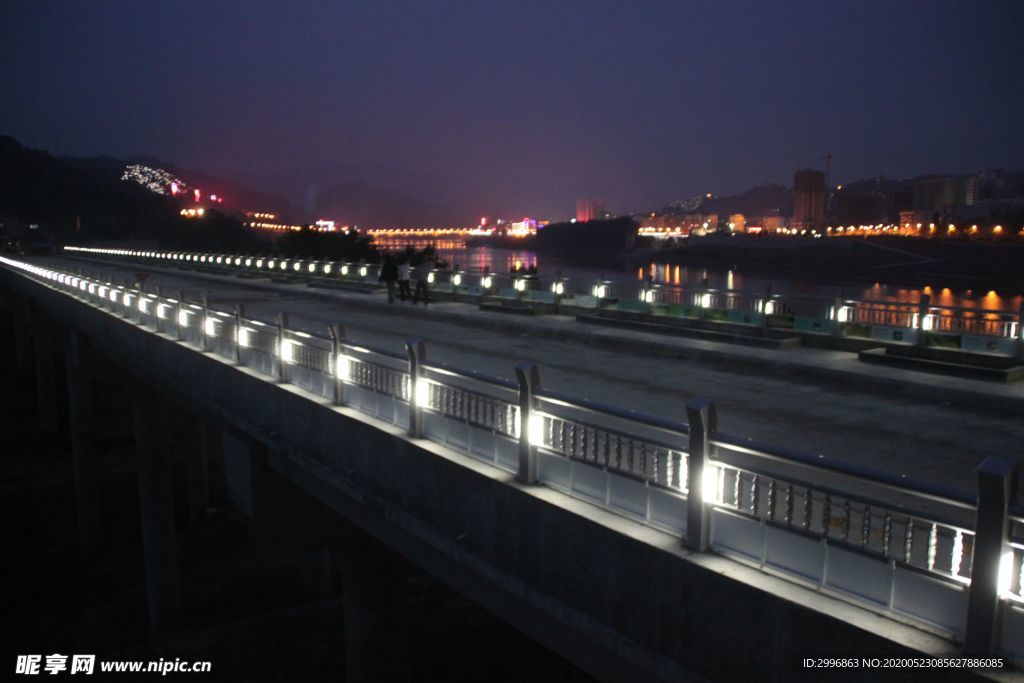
(808, 199)
(590, 210)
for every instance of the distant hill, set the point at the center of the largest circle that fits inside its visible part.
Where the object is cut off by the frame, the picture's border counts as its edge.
(358, 203)
(82, 200)
(766, 198)
(62, 194)
(237, 196)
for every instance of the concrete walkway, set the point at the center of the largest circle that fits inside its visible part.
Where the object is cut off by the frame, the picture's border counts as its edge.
(908, 422)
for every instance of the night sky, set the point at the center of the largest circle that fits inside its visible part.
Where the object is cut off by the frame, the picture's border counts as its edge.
(520, 108)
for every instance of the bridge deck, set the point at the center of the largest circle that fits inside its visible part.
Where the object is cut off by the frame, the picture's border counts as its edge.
(926, 426)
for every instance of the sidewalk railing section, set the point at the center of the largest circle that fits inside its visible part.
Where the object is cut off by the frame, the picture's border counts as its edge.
(941, 558)
(920, 323)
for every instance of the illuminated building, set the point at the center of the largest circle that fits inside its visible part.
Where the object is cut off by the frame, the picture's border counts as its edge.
(590, 210)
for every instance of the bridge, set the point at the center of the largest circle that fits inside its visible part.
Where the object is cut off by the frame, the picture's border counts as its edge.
(635, 546)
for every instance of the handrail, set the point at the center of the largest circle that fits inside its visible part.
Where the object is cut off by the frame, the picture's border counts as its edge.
(902, 484)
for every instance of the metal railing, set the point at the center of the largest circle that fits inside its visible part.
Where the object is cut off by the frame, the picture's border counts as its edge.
(944, 558)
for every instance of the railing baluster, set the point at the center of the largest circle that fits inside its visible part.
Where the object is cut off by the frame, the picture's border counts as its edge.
(771, 499)
(865, 527)
(886, 533)
(826, 515)
(908, 541)
(789, 504)
(933, 542)
(806, 521)
(755, 495)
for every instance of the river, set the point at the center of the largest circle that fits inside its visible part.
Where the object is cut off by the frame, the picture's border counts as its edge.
(628, 280)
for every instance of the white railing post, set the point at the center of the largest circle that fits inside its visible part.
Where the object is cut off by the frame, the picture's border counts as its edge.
(282, 368)
(177, 314)
(984, 613)
(417, 355)
(1020, 332)
(837, 305)
(337, 351)
(529, 382)
(239, 318)
(206, 316)
(703, 419)
(156, 307)
(922, 311)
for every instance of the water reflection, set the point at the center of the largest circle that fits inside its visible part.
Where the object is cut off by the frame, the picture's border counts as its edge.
(500, 260)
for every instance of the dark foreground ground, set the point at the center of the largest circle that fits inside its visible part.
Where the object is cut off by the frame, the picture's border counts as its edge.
(248, 608)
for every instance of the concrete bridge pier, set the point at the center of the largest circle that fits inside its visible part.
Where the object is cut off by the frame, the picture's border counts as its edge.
(245, 471)
(156, 506)
(376, 620)
(45, 346)
(16, 315)
(80, 370)
(201, 445)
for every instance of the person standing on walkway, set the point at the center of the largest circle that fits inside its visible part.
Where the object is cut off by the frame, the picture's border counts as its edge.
(404, 271)
(389, 276)
(420, 274)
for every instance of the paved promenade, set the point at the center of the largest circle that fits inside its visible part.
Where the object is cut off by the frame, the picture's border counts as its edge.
(907, 422)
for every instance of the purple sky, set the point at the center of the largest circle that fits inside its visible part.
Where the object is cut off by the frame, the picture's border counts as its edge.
(520, 108)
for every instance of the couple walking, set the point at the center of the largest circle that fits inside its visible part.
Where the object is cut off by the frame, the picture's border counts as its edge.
(392, 272)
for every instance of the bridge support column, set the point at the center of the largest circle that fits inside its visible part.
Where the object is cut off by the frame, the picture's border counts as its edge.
(375, 600)
(45, 347)
(316, 574)
(984, 600)
(156, 505)
(245, 469)
(203, 444)
(22, 341)
(82, 421)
